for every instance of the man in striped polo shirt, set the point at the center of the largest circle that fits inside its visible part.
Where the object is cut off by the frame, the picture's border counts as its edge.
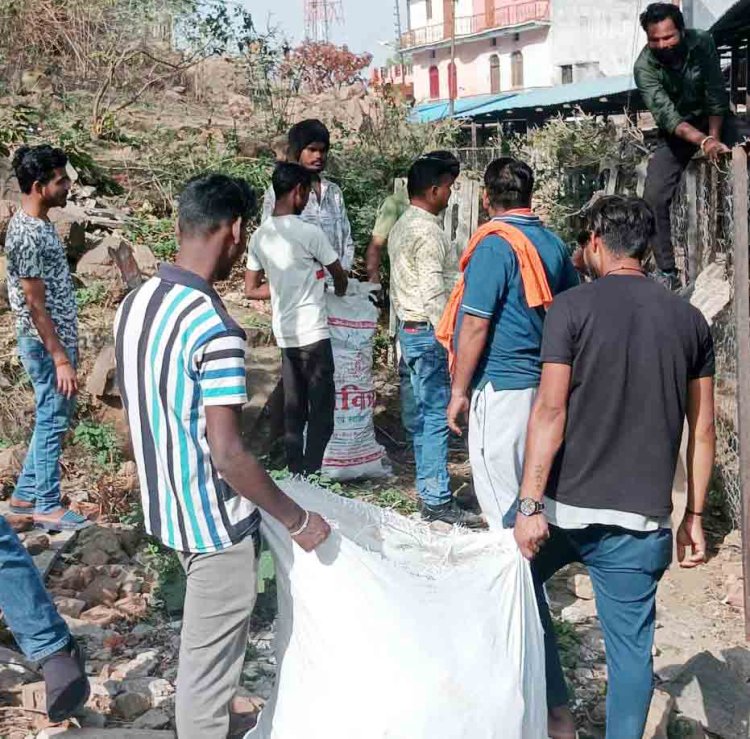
(181, 372)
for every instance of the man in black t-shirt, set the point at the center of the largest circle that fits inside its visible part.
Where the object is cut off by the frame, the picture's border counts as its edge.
(624, 363)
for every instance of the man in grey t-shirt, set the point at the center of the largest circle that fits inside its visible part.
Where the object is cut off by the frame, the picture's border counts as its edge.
(624, 363)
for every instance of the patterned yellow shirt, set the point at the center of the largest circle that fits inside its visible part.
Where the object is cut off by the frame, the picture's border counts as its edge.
(424, 266)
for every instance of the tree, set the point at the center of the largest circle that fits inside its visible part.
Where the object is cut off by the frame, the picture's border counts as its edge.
(323, 66)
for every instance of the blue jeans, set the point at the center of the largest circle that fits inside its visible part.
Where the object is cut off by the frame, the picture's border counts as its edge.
(625, 568)
(39, 481)
(427, 361)
(409, 412)
(27, 608)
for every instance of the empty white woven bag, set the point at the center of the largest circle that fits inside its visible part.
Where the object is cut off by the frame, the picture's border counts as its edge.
(392, 630)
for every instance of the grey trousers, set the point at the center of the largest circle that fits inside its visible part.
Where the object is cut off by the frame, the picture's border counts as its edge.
(221, 591)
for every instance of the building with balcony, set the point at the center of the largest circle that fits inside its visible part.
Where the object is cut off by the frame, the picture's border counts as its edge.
(509, 45)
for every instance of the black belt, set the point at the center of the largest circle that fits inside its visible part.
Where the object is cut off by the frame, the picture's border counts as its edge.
(416, 324)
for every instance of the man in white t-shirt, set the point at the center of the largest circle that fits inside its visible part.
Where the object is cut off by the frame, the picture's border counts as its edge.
(292, 255)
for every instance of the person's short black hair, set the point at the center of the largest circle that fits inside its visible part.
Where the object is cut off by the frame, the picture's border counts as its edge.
(307, 132)
(37, 164)
(428, 172)
(445, 156)
(212, 200)
(658, 12)
(509, 183)
(625, 224)
(287, 176)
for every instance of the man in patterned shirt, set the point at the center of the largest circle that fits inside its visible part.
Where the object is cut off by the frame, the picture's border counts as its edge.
(181, 372)
(309, 142)
(424, 268)
(42, 297)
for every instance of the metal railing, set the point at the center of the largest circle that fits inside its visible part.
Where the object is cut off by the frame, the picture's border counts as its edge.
(506, 16)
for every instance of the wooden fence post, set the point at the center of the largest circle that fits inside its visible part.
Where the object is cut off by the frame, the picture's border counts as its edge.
(742, 319)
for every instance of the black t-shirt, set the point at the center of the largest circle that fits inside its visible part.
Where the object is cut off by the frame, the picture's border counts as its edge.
(633, 348)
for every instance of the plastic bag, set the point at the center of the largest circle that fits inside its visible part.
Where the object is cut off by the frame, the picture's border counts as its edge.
(392, 630)
(353, 451)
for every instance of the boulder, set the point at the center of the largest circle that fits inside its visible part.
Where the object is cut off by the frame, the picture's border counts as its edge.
(104, 590)
(579, 612)
(79, 627)
(657, 723)
(9, 188)
(707, 691)
(36, 543)
(141, 666)
(7, 209)
(70, 223)
(153, 719)
(157, 689)
(145, 259)
(99, 546)
(580, 585)
(11, 461)
(97, 265)
(133, 606)
(70, 606)
(102, 381)
(101, 616)
(130, 706)
(15, 671)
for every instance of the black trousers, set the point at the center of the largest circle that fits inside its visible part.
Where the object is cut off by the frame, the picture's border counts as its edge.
(309, 399)
(665, 170)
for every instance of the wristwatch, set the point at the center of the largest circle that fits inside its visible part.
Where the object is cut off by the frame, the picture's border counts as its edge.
(529, 507)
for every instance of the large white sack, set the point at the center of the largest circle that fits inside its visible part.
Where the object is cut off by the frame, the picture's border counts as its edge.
(353, 451)
(392, 630)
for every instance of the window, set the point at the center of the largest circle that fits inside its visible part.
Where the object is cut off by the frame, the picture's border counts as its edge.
(452, 81)
(567, 74)
(494, 74)
(516, 69)
(434, 82)
(428, 3)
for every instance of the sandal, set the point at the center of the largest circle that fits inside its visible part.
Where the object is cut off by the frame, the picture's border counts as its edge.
(69, 521)
(20, 510)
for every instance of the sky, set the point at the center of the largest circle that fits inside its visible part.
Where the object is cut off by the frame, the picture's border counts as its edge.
(366, 23)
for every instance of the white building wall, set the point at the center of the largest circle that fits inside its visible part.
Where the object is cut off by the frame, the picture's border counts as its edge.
(473, 65)
(585, 32)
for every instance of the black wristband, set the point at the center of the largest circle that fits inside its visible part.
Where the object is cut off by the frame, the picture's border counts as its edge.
(693, 513)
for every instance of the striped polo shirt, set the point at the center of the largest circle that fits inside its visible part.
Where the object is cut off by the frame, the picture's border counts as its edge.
(177, 352)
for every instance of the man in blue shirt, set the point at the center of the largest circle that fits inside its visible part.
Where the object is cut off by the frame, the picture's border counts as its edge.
(499, 339)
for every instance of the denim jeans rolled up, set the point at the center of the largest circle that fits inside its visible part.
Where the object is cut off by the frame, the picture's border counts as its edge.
(427, 362)
(27, 608)
(39, 481)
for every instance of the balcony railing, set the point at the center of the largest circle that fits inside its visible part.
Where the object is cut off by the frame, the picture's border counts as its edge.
(505, 16)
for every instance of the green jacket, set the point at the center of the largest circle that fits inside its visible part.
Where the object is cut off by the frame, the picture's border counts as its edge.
(677, 95)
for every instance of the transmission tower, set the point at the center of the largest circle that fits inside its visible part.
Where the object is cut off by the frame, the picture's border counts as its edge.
(320, 15)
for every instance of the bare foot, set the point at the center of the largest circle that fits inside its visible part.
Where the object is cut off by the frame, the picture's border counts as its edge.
(560, 723)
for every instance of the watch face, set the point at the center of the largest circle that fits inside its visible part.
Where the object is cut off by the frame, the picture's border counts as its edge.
(528, 507)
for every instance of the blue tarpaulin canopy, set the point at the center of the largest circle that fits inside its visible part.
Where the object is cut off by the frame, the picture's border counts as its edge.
(602, 90)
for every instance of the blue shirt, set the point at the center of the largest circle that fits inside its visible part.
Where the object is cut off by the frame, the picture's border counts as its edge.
(494, 290)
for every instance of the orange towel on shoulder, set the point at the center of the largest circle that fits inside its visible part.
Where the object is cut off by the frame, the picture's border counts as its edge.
(534, 278)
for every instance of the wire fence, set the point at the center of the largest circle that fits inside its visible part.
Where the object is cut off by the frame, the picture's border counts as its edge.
(703, 234)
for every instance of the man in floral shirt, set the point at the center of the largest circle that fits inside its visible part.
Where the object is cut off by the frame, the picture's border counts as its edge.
(309, 142)
(42, 297)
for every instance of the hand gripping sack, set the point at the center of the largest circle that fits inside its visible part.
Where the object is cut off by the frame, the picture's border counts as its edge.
(353, 451)
(390, 630)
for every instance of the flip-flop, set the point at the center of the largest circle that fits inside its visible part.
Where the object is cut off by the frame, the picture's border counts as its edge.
(21, 510)
(70, 521)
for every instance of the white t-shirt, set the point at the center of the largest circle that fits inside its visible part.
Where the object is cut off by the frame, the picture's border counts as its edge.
(293, 254)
